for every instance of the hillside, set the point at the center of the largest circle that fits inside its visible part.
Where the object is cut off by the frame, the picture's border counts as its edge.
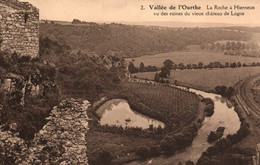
(134, 41)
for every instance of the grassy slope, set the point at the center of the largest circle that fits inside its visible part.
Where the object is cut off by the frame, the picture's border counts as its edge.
(207, 79)
(190, 57)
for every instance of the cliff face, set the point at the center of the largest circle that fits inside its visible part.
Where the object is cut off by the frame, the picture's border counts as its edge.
(19, 30)
(12, 83)
(61, 141)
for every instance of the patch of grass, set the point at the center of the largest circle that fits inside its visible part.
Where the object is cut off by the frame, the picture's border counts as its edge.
(122, 147)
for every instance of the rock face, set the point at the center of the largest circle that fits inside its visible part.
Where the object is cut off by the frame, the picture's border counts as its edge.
(19, 30)
(61, 141)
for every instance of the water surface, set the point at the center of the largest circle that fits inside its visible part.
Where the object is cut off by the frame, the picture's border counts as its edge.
(118, 112)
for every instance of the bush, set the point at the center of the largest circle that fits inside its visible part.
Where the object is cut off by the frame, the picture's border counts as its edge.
(168, 144)
(143, 152)
(213, 136)
(209, 110)
(105, 157)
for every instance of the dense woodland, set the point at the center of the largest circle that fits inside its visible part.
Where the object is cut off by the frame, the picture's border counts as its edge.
(134, 41)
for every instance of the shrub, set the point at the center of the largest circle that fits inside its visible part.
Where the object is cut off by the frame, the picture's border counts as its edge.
(209, 109)
(143, 152)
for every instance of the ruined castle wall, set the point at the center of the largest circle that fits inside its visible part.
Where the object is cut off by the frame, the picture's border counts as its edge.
(19, 29)
(61, 141)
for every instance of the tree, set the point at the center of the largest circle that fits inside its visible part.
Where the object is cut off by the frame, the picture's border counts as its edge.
(228, 45)
(194, 66)
(227, 65)
(200, 65)
(76, 21)
(105, 157)
(218, 46)
(239, 64)
(165, 72)
(221, 90)
(142, 152)
(156, 77)
(181, 66)
(131, 67)
(141, 68)
(188, 66)
(168, 64)
(233, 65)
(168, 144)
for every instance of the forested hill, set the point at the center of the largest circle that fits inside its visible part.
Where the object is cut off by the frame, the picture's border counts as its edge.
(134, 41)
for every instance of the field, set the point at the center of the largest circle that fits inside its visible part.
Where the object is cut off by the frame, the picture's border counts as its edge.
(207, 79)
(162, 102)
(190, 57)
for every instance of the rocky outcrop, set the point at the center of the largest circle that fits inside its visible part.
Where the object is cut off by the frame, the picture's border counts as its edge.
(61, 141)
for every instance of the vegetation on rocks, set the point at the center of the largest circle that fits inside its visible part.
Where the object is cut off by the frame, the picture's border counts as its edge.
(62, 140)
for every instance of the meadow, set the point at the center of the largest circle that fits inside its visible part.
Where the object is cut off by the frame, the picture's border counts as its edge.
(206, 79)
(190, 57)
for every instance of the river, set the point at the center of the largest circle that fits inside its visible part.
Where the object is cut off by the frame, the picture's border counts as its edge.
(224, 116)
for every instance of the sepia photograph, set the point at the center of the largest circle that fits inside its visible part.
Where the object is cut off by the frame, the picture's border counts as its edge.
(129, 82)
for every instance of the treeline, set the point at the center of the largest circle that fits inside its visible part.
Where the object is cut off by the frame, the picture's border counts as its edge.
(134, 41)
(171, 65)
(233, 48)
(142, 68)
(225, 91)
(233, 45)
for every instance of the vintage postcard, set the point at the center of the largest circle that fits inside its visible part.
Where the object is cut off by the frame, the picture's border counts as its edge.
(129, 82)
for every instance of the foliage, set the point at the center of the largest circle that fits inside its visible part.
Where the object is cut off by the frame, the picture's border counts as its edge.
(143, 152)
(224, 91)
(168, 64)
(168, 144)
(101, 157)
(31, 117)
(86, 79)
(209, 109)
(213, 136)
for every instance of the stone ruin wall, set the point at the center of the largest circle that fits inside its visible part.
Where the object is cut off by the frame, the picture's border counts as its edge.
(19, 29)
(61, 141)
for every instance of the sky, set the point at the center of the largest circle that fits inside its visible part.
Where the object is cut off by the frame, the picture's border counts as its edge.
(130, 11)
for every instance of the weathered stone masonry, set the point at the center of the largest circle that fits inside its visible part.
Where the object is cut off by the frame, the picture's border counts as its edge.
(61, 141)
(19, 29)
